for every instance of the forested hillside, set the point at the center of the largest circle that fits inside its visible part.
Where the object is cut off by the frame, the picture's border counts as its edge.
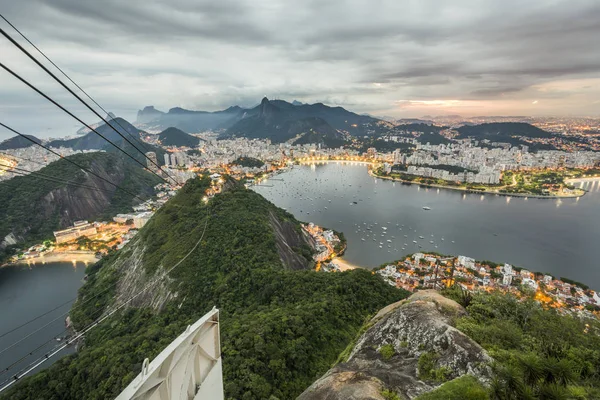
(33, 206)
(280, 328)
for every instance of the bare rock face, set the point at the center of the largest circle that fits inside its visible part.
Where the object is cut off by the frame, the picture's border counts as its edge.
(287, 238)
(417, 326)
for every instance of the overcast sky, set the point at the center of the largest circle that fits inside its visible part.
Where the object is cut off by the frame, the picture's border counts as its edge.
(389, 58)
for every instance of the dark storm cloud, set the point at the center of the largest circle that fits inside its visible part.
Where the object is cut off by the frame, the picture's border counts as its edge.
(366, 54)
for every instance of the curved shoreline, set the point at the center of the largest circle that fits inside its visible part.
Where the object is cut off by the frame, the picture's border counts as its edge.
(475, 191)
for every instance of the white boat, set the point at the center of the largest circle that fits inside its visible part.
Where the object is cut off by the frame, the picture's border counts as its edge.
(426, 208)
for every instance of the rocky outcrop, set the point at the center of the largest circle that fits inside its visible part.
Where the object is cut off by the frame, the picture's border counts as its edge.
(289, 241)
(386, 356)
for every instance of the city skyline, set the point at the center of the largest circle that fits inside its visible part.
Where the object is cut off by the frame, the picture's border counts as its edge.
(387, 59)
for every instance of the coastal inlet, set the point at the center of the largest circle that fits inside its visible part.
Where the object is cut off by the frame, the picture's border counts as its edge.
(552, 236)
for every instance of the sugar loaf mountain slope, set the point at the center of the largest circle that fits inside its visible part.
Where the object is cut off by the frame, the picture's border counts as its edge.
(282, 324)
(33, 207)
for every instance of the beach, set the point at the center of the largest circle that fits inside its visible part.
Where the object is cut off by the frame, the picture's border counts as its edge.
(52, 257)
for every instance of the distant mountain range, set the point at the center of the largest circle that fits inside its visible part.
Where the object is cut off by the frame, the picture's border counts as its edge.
(277, 120)
(17, 142)
(493, 131)
(92, 141)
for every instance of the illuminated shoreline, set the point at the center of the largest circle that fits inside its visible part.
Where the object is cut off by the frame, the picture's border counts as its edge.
(53, 257)
(475, 191)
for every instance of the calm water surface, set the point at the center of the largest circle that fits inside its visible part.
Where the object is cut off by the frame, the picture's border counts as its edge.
(561, 237)
(26, 292)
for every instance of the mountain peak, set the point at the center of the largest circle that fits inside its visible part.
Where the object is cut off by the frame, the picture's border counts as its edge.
(264, 101)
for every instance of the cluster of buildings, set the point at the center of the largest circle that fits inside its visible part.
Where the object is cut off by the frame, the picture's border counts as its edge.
(420, 271)
(79, 229)
(325, 242)
(177, 159)
(485, 175)
(32, 158)
(488, 162)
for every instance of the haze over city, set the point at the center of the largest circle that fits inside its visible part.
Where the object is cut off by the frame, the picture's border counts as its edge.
(386, 58)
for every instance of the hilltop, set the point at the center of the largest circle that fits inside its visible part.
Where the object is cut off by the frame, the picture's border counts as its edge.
(33, 207)
(282, 323)
(176, 137)
(18, 142)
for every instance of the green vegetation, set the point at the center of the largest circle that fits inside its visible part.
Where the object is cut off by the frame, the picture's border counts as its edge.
(248, 162)
(541, 182)
(572, 282)
(540, 353)
(280, 329)
(428, 370)
(466, 387)
(28, 212)
(387, 351)
(389, 395)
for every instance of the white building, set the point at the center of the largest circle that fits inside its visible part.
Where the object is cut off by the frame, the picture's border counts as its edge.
(530, 283)
(466, 262)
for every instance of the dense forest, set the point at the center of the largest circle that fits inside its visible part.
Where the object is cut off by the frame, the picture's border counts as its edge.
(280, 329)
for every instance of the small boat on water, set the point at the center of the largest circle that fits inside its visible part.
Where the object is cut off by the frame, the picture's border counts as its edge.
(421, 237)
(426, 208)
